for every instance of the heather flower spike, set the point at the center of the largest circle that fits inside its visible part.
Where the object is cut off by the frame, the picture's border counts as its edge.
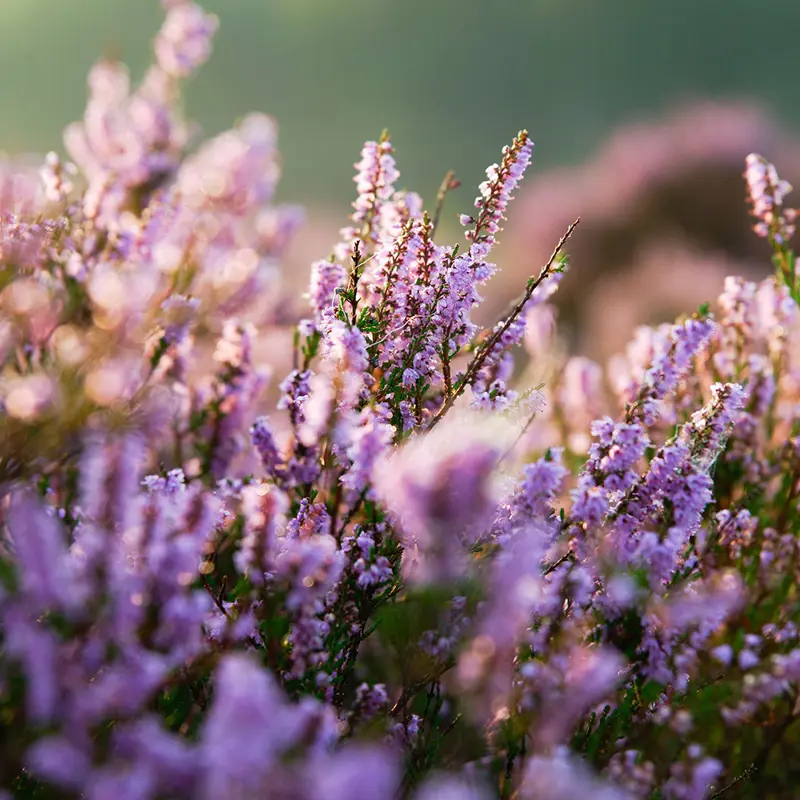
(774, 221)
(497, 190)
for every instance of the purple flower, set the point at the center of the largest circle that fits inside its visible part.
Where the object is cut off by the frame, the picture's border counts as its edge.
(247, 729)
(439, 488)
(358, 772)
(35, 647)
(264, 508)
(532, 498)
(370, 439)
(446, 787)
(59, 760)
(669, 365)
(250, 727)
(47, 575)
(561, 776)
(326, 278)
(264, 443)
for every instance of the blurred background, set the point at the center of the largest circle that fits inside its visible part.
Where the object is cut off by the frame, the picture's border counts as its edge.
(642, 113)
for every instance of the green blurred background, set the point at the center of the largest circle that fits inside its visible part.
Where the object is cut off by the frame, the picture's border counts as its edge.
(452, 79)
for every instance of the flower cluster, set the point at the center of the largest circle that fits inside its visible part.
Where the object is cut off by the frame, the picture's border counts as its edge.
(406, 575)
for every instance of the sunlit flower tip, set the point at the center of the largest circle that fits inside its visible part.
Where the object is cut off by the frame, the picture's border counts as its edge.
(375, 176)
(496, 192)
(767, 192)
(184, 41)
(55, 177)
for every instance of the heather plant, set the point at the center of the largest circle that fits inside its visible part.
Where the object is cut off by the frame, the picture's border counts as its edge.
(448, 562)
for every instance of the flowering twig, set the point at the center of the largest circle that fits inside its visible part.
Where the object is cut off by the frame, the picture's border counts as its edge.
(487, 348)
(745, 776)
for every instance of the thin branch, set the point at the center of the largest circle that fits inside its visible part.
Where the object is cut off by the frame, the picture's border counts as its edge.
(568, 556)
(348, 517)
(412, 690)
(216, 598)
(487, 348)
(448, 184)
(746, 775)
